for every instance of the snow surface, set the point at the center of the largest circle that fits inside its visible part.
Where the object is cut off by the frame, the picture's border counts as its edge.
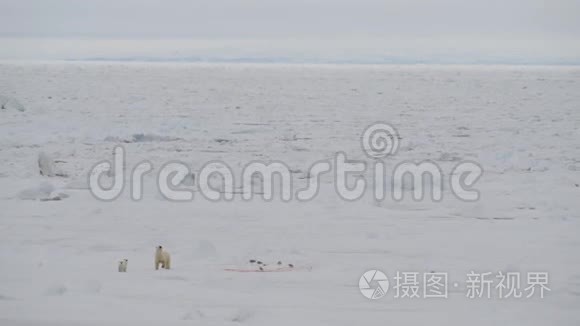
(59, 257)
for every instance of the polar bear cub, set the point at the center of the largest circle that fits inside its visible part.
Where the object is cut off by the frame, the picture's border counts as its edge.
(123, 265)
(162, 258)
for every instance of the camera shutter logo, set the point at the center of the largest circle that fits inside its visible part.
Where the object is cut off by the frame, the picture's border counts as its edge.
(373, 284)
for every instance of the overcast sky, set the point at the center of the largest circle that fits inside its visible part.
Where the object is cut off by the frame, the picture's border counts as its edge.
(522, 29)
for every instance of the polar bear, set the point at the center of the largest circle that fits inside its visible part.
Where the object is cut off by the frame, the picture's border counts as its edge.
(162, 257)
(123, 265)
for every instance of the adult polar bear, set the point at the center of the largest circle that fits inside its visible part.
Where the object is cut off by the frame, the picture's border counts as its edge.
(162, 258)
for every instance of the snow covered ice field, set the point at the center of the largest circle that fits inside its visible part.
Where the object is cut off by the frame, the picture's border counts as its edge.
(58, 259)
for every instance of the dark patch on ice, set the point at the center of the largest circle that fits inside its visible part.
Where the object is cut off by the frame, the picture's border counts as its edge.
(56, 198)
(443, 217)
(494, 218)
(299, 149)
(249, 131)
(449, 157)
(305, 176)
(241, 192)
(191, 315)
(142, 138)
(526, 207)
(251, 124)
(289, 138)
(573, 168)
(56, 290)
(241, 316)
(222, 141)
(294, 138)
(188, 180)
(212, 151)
(3, 297)
(358, 252)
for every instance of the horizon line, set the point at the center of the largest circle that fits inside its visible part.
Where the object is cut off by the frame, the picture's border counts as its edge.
(291, 61)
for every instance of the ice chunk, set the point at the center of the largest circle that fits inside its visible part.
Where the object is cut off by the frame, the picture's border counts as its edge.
(46, 165)
(7, 103)
(41, 191)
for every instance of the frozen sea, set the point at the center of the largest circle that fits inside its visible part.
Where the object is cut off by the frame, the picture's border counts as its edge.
(58, 259)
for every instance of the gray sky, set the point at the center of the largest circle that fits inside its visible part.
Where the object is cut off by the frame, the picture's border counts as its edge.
(519, 29)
